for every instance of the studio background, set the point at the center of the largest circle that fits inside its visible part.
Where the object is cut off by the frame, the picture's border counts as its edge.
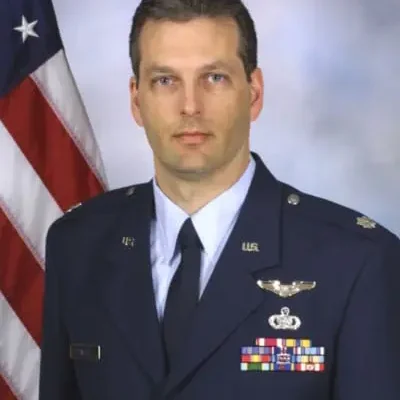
(331, 117)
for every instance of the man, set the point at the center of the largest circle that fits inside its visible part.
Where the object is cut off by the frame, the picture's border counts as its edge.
(214, 280)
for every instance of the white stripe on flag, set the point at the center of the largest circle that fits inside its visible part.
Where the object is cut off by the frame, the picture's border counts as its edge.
(19, 355)
(28, 203)
(54, 79)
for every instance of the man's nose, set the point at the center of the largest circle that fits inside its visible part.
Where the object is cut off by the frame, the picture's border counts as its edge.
(192, 99)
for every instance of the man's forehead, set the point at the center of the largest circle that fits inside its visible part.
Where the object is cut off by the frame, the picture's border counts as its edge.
(189, 51)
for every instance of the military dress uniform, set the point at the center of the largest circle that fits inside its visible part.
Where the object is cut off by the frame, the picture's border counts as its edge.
(302, 304)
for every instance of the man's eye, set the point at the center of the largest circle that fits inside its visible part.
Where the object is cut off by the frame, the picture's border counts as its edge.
(163, 80)
(216, 78)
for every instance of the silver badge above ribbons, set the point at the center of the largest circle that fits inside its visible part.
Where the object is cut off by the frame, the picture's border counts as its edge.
(285, 291)
(284, 321)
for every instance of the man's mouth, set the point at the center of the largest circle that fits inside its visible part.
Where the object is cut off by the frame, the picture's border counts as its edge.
(192, 137)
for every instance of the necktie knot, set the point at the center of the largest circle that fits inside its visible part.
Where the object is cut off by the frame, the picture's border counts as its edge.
(188, 237)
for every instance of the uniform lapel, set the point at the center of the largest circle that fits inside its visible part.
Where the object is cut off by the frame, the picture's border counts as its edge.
(125, 284)
(232, 294)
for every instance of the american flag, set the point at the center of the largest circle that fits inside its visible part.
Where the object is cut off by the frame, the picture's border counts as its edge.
(49, 161)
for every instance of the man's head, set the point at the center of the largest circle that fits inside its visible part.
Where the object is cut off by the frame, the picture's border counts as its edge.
(195, 69)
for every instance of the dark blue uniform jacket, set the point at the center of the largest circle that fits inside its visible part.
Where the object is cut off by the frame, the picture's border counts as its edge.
(339, 340)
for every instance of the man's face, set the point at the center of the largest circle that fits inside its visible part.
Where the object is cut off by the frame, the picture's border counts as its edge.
(194, 100)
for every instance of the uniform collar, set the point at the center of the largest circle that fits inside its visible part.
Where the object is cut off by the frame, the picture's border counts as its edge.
(212, 222)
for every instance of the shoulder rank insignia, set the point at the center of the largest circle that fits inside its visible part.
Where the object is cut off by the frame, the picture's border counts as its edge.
(73, 207)
(366, 223)
(131, 191)
(285, 291)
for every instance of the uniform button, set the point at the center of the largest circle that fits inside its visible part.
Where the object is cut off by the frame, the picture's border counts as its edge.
(294, 199)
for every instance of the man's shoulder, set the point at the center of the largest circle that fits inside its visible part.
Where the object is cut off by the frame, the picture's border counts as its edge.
(327, 213)
(102, 206)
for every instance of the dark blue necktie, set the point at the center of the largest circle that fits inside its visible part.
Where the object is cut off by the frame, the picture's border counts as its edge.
(183, 294)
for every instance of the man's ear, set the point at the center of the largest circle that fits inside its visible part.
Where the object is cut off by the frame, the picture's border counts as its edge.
(135, 104)
(257, 93)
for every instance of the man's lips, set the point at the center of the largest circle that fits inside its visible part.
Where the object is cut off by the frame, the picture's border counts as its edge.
(192, 137)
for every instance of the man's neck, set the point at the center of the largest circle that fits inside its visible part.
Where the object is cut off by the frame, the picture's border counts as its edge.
(191, 196)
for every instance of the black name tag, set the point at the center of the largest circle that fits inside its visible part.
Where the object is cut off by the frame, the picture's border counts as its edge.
(85, 352)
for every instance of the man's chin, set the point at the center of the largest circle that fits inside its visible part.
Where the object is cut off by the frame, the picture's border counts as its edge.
(189, 166)
(192, 171)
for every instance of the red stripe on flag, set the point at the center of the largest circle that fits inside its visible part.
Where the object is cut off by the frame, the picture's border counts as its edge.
(21, 279)
(5, 391)
(47, 145)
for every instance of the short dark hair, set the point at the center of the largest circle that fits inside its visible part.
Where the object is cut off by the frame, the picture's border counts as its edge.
(186, 10)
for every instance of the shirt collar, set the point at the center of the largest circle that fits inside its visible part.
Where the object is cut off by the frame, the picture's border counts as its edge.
(220, 214)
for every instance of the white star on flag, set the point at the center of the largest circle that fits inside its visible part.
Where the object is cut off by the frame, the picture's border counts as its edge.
(27, 29)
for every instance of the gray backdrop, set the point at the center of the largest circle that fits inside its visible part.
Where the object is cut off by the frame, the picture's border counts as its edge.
(330, 125)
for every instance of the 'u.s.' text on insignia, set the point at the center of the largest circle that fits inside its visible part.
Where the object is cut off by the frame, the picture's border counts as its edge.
(250, 247)
(284, 321)
(128, 241)
(275, 354)
(366, 223)
(285, 291)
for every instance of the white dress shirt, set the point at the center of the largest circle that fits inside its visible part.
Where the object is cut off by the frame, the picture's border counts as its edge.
(213, 224)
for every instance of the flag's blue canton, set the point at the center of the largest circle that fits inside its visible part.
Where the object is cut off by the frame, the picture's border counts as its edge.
(17, 59)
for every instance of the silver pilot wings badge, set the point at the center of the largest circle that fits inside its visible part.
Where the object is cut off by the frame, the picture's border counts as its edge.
(286, 290)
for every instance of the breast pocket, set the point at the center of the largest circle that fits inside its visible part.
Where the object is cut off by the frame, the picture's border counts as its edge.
(284, 385)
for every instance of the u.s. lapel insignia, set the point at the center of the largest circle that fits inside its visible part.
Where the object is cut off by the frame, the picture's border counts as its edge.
(285, 291)
(284, 321)
(366, 223)
(128, 241)
(250, 247)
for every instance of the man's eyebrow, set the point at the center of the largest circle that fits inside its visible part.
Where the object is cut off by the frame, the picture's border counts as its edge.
(165, 69)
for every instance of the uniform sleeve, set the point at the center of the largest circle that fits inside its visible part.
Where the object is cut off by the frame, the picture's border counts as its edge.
(57, 381)
(368, 355)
